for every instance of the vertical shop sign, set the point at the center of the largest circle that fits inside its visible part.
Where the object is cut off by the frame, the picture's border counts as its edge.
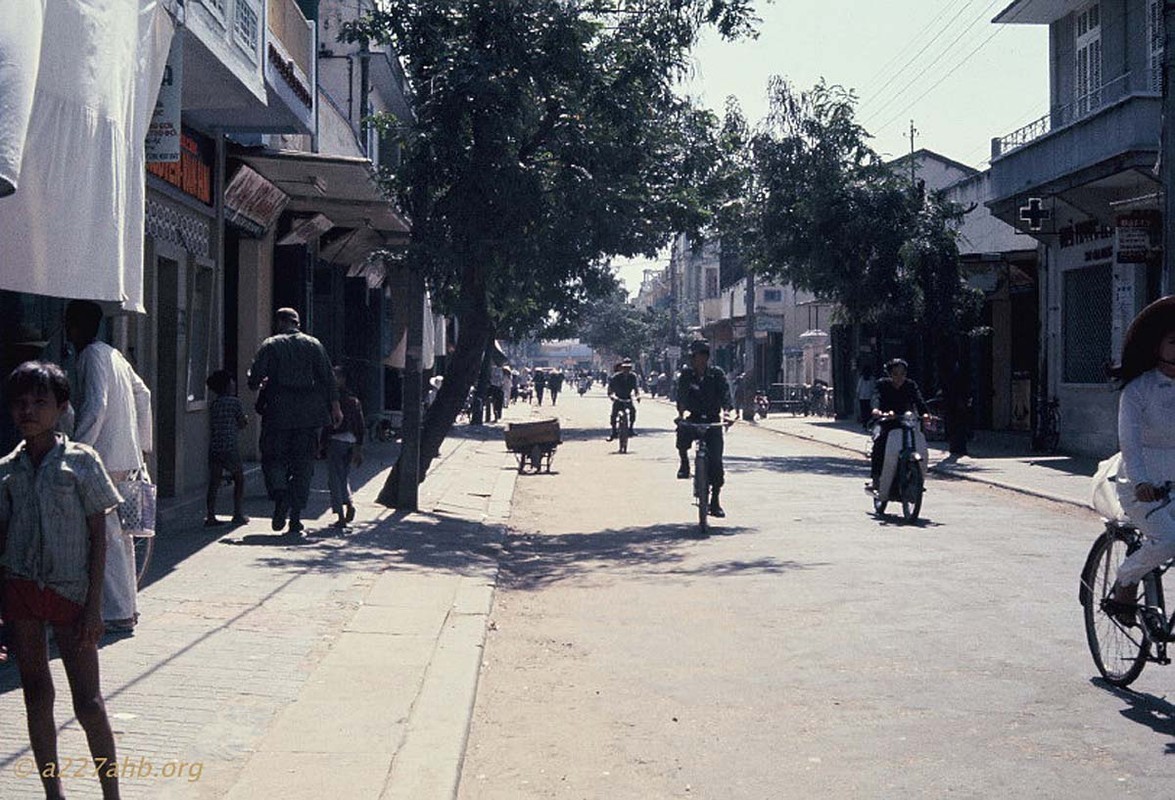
(163, 136)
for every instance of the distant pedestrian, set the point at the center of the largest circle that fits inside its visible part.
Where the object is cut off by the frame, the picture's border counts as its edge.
(866, 388)
(540, 383)
(113, 416)
(227, 417)
(301, 397)
(344, 447)
(555, 384)
(55, 496)
(496, 392)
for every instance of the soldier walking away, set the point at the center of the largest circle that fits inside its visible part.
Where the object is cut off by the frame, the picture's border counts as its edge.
(555, 384)
(300, 398)
(113, 416)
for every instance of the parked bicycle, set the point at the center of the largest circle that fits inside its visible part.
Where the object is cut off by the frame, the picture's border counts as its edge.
(1048, 427)
(701, 487)
(1121, 649)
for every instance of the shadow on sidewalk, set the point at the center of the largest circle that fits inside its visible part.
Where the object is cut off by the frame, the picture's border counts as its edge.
(433, 541)
(535, 561)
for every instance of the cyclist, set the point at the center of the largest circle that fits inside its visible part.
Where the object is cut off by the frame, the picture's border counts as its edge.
(1145, 434)
(622, 390)
(703, 393)
(893, 397)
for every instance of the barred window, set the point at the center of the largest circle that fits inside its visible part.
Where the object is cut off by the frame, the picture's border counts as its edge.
(246, 27)
(1086, 323)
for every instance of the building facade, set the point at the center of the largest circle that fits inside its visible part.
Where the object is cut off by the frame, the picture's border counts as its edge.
(1081, 181)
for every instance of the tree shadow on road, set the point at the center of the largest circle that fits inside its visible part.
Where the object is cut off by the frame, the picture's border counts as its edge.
(535, 561)
(1155, 713)
(809, 465)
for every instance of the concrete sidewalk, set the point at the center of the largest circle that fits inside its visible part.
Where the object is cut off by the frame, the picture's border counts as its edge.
(997, 459)
(343, 665)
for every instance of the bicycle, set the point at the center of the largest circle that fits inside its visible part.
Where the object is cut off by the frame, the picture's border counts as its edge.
(701, 487)
(1121, 650)
(624, 424)
(1048, 427)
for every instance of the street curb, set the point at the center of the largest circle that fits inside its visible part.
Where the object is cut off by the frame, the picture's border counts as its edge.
(946, 473)
(429, 764)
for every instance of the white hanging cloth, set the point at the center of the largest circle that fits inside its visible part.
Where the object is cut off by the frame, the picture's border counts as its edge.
(74, 226)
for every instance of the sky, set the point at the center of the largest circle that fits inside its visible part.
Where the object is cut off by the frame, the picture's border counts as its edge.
(941, 63)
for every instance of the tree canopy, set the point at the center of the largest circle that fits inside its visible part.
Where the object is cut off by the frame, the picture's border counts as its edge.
(547, 137)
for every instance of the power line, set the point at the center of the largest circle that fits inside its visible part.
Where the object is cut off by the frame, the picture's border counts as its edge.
(1000, 29)
(949, 48)
(884, 70)
(880, 92)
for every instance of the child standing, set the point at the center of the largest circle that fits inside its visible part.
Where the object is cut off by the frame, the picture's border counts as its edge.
(54, 497)
(224, 450)
(344, 446)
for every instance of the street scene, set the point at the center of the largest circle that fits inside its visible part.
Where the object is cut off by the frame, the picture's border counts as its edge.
(603, 399)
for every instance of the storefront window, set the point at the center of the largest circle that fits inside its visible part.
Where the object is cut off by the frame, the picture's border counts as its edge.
(1086, 323)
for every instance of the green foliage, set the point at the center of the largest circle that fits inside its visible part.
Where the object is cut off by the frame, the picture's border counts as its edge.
(833, 218)
(614, 326)
(547, 138)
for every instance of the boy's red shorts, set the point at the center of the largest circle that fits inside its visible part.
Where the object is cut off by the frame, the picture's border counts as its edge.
(25, 600)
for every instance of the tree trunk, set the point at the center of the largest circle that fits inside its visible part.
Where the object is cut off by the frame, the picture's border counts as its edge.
(474, 331)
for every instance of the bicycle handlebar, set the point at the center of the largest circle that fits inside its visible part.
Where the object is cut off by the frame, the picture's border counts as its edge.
(703, 426)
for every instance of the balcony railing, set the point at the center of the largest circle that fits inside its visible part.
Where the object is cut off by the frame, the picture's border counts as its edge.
(287, 23)
(1131, 84)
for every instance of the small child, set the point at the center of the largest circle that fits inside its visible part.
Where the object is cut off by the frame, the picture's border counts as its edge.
(224, 450)
(54, 497)
(344, 446)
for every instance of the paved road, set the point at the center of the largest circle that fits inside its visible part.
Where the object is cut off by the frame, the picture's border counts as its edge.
(806, 650)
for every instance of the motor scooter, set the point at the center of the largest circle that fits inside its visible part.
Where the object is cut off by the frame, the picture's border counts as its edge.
(903, 472)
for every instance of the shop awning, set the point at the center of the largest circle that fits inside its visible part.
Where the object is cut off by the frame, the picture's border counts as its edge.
(344, 188)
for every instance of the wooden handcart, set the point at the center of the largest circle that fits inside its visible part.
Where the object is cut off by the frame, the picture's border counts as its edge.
(533, 443)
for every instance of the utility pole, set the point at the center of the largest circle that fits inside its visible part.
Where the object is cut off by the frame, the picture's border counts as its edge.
(750, 380)
(913, 174)
(1167, 151)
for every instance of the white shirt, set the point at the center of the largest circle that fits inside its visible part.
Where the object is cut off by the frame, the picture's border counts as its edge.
(113, 408)
(1146, 428)
(866, 387)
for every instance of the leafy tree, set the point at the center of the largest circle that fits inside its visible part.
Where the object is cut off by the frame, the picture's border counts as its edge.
(547, 137)
(614, 326)
(833, 217)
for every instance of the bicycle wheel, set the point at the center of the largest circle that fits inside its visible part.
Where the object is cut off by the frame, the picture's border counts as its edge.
(1118, 652)
(701, 490)
(144, 548)
(911, 487)
(622, 431)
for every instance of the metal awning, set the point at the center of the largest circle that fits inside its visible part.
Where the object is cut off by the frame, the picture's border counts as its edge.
(344, 188)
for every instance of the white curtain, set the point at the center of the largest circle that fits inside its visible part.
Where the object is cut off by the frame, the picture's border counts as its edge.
(74, 226)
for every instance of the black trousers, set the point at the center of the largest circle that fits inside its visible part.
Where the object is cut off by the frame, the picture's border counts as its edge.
(715, 474)
(287, 462)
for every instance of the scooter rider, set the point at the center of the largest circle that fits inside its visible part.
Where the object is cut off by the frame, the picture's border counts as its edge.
(703, 393)
(893, 397)
(623, 389)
